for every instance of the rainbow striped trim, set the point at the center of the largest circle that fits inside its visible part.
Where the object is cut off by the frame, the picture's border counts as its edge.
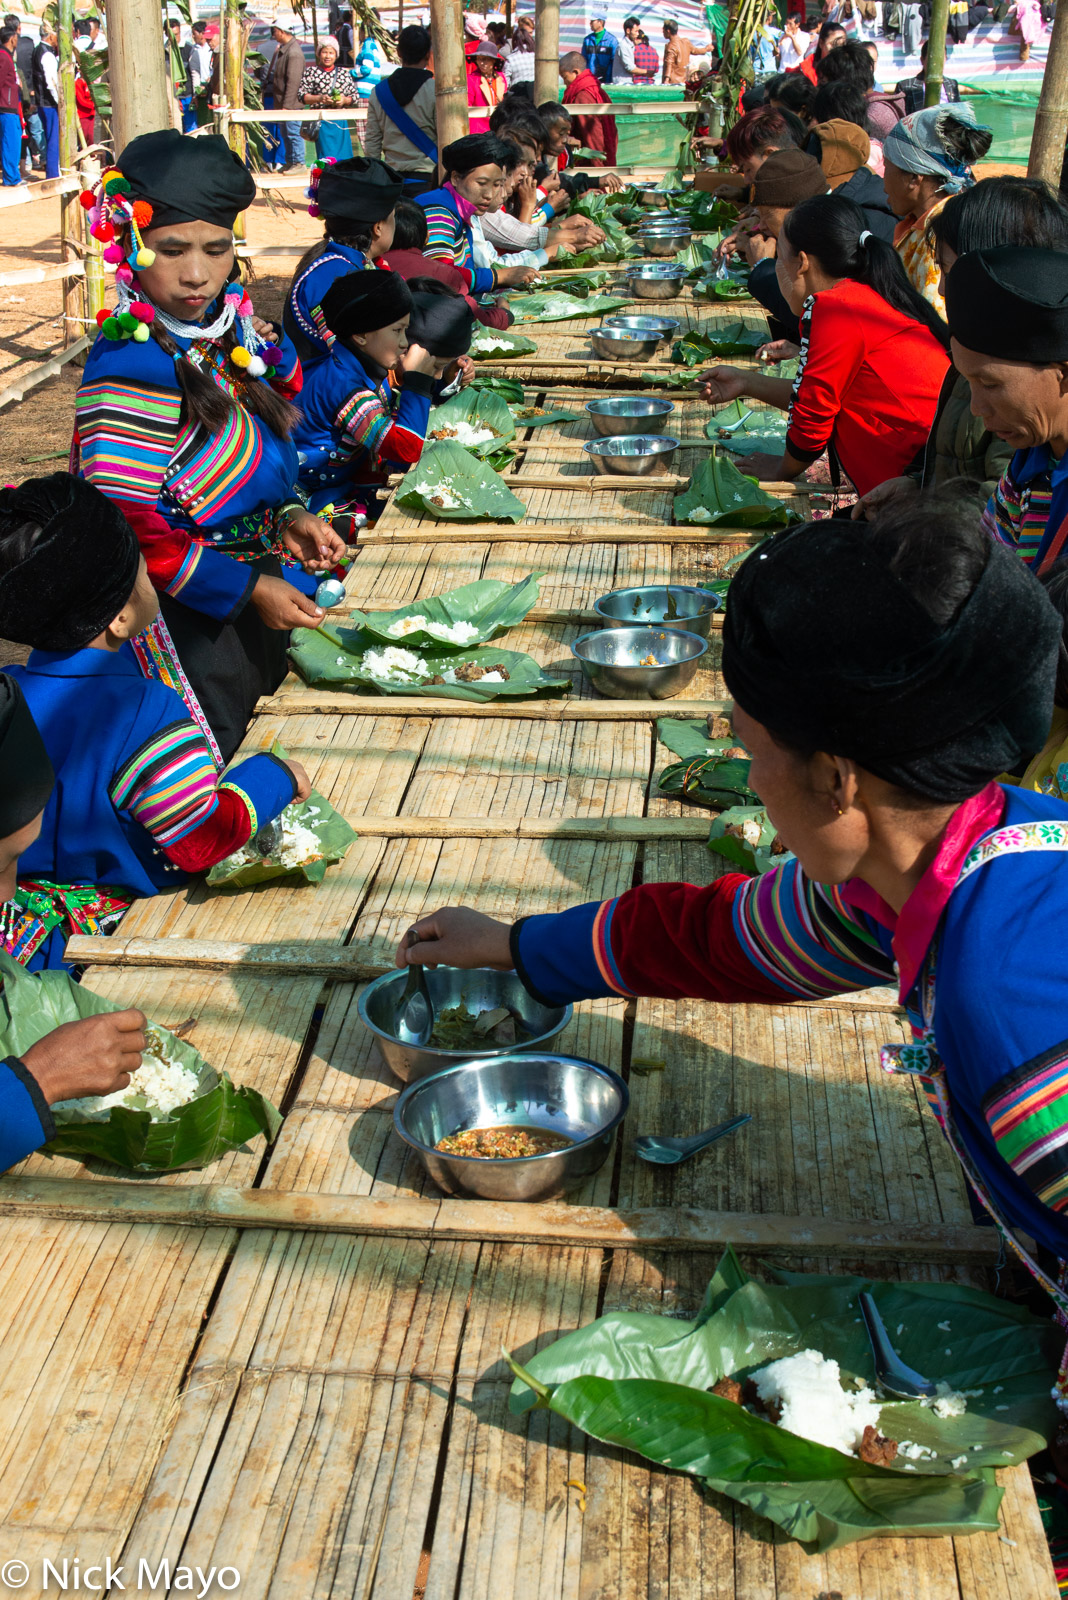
(169, 784)
(804, 936)
(1027, 1113)
(127, 435)
(602, 948)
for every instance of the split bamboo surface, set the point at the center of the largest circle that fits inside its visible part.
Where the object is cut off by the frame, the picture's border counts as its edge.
(291, 1363)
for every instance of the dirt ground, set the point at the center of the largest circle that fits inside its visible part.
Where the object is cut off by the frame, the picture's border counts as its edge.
(35, 434)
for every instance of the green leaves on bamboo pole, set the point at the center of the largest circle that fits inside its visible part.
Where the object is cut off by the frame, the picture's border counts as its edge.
(936, 53)
(737, 67)
(233, 72)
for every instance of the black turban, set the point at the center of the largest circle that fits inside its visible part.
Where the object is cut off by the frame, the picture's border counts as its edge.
(443, 324)
(187, 180)
(359, 190)
(1011, 303)
(77, 574)
(361, 302)
(26, 776)
(826, 647)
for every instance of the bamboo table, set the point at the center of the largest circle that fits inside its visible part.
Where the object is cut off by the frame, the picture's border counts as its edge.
(290, 1364)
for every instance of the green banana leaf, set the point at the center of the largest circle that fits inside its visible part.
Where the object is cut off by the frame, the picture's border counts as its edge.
(487, 604)
(330, 828)
(482, 410)
(729, 288)
(720, 495)
(641, 1382)
(499, 344)
(699, 254)
(509, 389)
(331, 657)
(706, 213)
(704, 775)
(734, 340)
(580, 153)
(580, 284)
(451, 472)
(725, 839)
(763, 430)
(220, 1118)
(552, 305)
(549, 414)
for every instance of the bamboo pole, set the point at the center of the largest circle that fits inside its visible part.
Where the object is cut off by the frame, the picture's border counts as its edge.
(480, 1221)
(71, 229)
(232, 81)
(936, 52)
(1051, 118)
(140, 100)
(450, 71)
(555, 533)
(93, 251)
(546, 51)
(302, 702)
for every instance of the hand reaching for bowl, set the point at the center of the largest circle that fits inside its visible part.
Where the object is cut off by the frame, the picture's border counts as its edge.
(457, 937)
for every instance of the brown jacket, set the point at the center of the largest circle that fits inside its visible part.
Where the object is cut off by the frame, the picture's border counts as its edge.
(287, 69)
(676, 59)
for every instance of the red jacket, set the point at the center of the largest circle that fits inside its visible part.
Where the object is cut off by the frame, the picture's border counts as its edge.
(596, 133)
(808, 67)
(413, 264)
(9, 83)
(869, 382)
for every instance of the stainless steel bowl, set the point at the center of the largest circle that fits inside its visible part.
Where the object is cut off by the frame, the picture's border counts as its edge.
(610, 660)
(659, 197)
(632, 455)
(614, 419)
(655, 281)
(579, 1099)
(663, 327)
(656, 243)
(664, 219)
(618, 344)
(479, 990)
(634, 608)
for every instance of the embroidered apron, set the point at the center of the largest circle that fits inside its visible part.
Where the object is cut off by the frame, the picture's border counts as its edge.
(921, 1059)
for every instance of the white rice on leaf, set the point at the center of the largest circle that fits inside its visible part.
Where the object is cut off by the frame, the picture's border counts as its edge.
(160, 1085)
(814, 1405)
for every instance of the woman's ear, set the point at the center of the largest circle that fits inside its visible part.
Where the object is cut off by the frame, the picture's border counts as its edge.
(804, 261)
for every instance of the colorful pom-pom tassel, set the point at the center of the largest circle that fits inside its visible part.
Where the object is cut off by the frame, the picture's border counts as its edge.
(103, 231)
(87, 199)
(256, 367)
(142, 213)
(111, 328)
(142, 311)
(245, 308)
(127, 321)
(144, 258)
(113, 254)
(271, 354)
(313, 211)
(116, 185)
(123, 273)
(102, 317)
(240, 357)
(140, 333)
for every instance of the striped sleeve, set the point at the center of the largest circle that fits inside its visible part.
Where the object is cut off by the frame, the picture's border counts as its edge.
(769, 939)
(1027, 1114)
(441, 235)
(127, 434)
(169, 785)
(371, 426)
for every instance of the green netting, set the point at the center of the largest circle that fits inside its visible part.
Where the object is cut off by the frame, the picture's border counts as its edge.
(649, 141)
(1011, 115)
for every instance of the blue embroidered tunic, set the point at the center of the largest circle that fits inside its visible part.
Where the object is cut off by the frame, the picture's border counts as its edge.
(303, 317)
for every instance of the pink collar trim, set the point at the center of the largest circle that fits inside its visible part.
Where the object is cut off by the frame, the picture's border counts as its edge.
(464, 207)
(915, 928)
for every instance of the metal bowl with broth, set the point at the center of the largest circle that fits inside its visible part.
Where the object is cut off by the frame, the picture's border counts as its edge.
(623, 344)
(675, 605)
(479, 990)
(640, 663)
(628, 414)
(632, 455)
(563, 1095)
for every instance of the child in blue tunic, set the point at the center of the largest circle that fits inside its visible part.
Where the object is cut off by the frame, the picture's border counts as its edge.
(138, 801)
(874, 746)
(357, 424)
(356, 200)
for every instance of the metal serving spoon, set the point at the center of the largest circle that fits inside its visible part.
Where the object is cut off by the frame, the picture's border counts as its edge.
(413, 1020)
(669, 1152)
(891, 1373)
